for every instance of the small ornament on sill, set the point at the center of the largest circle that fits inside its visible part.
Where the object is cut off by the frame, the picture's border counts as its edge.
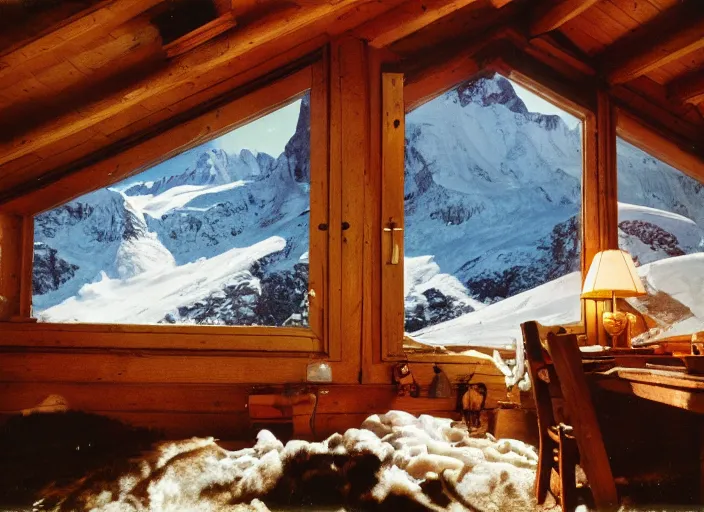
(405, 381)
(440, 387)
(473, 402)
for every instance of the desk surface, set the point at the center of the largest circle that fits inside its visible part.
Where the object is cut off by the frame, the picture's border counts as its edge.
(674, 378)
(669, 387)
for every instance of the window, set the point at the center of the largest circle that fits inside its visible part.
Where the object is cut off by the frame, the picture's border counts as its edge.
(661, 224)
(492, 208)
(217, 235)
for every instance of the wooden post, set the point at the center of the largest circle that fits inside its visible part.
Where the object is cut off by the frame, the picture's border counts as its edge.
(11, 248)
(607, 191)
(349, 155)
(591, 237)
(607, 171)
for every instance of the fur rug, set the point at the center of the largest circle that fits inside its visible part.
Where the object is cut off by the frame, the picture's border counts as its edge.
(38, 449)
(394, 462)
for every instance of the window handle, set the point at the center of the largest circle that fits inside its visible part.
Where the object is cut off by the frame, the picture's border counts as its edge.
(395, 248)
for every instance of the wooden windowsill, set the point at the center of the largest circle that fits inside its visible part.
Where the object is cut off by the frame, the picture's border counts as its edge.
(173, 337)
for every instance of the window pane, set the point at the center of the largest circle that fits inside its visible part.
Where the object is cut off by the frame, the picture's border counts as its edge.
(660, 220)
(492, 215)
(217, 235)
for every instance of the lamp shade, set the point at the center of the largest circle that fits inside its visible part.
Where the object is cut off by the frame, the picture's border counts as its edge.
(612, 274)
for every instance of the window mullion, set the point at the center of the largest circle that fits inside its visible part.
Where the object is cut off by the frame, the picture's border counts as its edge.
(392, 218)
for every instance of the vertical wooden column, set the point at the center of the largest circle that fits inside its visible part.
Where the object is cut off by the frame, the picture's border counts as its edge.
(607, 170)
(393, 130)
(591, 236)
(349, 156)
(606, 199)
(371, 312)
(11, 248)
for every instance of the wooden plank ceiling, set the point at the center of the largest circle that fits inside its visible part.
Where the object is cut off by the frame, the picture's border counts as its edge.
(80, 79)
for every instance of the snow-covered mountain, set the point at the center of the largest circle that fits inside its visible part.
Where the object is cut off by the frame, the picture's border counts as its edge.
(492, 202)
(212, 167)
(225, 241)
(493, 195)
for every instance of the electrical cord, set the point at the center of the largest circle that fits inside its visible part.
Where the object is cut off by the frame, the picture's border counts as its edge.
(312, 416)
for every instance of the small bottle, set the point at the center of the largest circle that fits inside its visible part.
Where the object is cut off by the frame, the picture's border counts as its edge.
(440, 387)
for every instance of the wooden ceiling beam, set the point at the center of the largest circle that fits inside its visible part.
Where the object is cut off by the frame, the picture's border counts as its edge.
(668, 38)
(246, 106)
(40, 186)
(659, 116)
(75, 31)
(201, 35)
(688, 88)
(443, 68)
(25, 21)
(406, 19)
(275, 32)
(557, 15)
(575, 95)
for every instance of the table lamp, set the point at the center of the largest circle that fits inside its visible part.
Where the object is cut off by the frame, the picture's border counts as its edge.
(611, 275)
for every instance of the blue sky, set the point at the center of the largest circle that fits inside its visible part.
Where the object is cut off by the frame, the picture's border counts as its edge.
(269, 134)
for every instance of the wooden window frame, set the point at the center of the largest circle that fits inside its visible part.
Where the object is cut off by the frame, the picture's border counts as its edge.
(23, 331)
(649, 140)
(423, 86)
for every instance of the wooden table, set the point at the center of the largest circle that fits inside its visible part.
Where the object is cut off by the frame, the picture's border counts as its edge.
(670, 387)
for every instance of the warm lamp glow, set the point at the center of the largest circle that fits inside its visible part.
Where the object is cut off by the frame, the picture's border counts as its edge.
(612, 274)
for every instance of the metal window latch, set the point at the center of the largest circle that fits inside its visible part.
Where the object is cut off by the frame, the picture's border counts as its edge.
(395, 248)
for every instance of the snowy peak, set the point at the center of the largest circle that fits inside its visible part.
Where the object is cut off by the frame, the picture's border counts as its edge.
(210, 167)
(297, 150)
(499, 91)
(490, 91)
(214, 166)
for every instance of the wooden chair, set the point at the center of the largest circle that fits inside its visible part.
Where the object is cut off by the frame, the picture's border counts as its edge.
(558, 384)
(557, 448)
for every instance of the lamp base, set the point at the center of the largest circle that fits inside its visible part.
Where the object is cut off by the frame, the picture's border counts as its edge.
(614, 324)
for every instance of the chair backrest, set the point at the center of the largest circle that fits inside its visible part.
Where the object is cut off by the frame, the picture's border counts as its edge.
(544, 382)
(567, 360)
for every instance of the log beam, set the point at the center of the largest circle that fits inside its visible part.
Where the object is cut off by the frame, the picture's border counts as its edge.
(406, 19)
(558, 14)
(275, 32)
(688, 88)
(73, 33)
(201, 35)
(152, 149)
(657, 44)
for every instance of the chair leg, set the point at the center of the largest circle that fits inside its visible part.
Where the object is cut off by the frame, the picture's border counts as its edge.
(567, 464)
(542, 476)
(568, 498)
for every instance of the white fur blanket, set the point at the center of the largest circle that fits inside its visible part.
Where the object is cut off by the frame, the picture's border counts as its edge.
(395, 461)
